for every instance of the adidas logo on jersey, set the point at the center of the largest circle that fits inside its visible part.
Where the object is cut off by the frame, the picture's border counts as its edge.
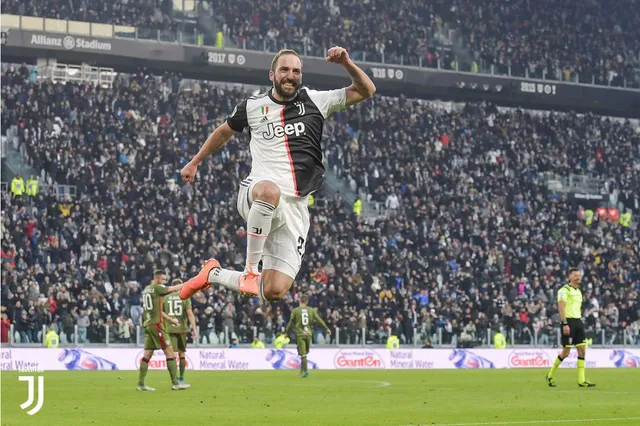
(264, 119)
(278, 131)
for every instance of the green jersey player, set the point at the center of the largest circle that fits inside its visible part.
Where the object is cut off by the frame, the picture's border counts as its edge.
(154, 331)
(304, 318)
(181, 311)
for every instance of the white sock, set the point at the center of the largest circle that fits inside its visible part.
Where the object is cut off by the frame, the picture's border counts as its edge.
(261, 290)
(258, 227)
(225, 277)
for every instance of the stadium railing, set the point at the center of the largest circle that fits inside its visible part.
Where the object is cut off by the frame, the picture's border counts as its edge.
(194, 37)
(57, 190)
(101, 76)
(606, 337)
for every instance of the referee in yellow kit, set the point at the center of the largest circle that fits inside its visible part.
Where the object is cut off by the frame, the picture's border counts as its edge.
(570, 307)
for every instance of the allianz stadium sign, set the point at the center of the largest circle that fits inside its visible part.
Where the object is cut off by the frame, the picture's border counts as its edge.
(70, 43)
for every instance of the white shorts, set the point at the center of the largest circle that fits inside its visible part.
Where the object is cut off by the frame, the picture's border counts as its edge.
(284, 247)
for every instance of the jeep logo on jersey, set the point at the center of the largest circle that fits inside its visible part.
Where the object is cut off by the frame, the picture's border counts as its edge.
(279, 131)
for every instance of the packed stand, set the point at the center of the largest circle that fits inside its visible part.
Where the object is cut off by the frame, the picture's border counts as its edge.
(592, 41)
(371, 30)
(557, 39)
(466, 193)
(469, 248)
(562, 39)
(153, 14)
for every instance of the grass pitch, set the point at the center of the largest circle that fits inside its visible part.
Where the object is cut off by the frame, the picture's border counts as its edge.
(389, 398)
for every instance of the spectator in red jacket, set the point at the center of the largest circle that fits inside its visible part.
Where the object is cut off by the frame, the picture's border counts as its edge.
(5, 327)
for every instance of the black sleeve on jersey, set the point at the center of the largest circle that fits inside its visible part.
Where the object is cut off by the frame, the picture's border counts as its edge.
(238, 118)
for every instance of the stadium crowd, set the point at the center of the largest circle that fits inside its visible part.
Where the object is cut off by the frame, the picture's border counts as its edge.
(558, 39)
(469, 238)
(154, 14)
(555, 39)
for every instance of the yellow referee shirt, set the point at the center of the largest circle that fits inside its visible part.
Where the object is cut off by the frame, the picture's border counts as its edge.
(573, 299)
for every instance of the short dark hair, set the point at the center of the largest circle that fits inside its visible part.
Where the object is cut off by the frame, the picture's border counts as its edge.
(159, 272)
(304, 298)
(572, 270)
(283, 52)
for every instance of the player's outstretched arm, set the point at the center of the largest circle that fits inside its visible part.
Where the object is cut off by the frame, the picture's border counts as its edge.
(173, 288)
(171, 320)
(192, 321)
(563, 316)
(214, 142)
(361, 85)
(291, 322)
(561, 310)
(319, 319)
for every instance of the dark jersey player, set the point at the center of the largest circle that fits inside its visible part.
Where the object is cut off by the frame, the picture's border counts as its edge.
(570, 309)
(285, 124)
(304, 318)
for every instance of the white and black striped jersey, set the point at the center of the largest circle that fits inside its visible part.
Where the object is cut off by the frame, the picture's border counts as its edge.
(286, 136)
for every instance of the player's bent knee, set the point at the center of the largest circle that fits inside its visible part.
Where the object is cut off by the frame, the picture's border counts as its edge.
(273, 293)
(275, 284)
(266, 191)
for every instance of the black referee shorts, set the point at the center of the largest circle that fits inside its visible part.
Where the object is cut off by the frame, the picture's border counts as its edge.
(576, 336)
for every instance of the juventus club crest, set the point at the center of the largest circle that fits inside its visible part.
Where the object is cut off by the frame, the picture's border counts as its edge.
(301, 109)
(265, 111)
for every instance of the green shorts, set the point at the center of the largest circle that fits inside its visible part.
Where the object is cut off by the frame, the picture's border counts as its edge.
(154, 337)
(304, 345)
(179, 341)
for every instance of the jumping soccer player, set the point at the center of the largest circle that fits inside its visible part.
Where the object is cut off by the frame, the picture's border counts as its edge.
(304, 318)
(181, 311)
(154, 331)
(570, 307)
(286, 131)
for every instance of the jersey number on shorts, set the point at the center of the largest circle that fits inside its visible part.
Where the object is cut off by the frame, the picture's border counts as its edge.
(147, 302)
(175, 308)
(300, 245)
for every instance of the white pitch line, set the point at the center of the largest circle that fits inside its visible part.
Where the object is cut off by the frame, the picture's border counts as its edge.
(378, 383)
(535, 422)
